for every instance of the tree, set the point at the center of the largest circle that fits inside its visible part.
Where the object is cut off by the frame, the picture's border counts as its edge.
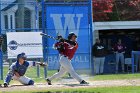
(101, 8)
(128, 9)
(116, 10)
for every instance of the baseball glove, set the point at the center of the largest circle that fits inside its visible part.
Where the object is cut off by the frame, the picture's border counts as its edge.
(41, 64)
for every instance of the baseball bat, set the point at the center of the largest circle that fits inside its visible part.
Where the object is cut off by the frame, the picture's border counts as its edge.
(59, 37)
(46, 35)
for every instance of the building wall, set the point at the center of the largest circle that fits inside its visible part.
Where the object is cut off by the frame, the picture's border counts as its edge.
(11, 13)
(117, 25)
(114, 25)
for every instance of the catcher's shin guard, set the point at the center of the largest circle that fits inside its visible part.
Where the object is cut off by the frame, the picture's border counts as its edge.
(31, 82)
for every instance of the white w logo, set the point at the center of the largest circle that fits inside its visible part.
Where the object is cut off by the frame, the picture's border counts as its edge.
(69, 24)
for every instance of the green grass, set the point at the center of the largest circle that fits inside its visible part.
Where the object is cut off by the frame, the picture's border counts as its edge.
(31, 72)
(126, 89)
(116, 76)
(103, 90)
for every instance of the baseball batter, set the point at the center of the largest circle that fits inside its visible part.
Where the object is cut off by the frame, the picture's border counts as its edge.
(18, 69)
(67, 49)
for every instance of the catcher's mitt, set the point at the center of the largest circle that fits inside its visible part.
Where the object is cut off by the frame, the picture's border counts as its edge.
(41, 64)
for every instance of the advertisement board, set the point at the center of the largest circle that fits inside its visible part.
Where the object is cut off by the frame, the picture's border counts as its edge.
(27, 42)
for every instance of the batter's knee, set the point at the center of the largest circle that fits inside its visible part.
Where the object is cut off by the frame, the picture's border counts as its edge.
(31, 82)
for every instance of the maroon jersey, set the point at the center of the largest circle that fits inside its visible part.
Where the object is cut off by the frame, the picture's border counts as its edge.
(68, 48)
(60, 47)
(119, 48)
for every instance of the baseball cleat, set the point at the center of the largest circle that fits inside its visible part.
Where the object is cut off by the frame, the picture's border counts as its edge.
(0, 85)
(84, 82)
(5, 85)
(49, 82)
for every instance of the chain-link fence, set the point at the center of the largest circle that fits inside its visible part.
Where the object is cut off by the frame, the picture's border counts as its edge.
(63, 18)
(31, 16)
(20, 16)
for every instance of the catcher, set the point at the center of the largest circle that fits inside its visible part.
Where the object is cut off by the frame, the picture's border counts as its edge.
(18, 69)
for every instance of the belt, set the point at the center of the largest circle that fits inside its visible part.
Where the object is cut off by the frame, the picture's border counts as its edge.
(65, 56)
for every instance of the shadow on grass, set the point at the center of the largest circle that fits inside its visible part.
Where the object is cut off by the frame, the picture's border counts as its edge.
(14, 86)
(67, 92)
(75, 85)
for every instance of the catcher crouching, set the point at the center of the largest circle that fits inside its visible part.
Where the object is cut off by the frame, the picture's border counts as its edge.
(18, 69)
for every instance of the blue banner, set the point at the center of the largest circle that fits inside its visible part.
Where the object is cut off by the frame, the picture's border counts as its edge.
(61, 20)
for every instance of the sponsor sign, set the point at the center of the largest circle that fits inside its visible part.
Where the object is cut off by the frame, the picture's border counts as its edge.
(27, 42)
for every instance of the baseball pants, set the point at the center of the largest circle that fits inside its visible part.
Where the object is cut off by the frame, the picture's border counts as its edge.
(22, 79)
(66, 66)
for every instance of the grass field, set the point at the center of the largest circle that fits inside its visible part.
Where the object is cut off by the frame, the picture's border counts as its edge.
(31, 72)
(112, 89)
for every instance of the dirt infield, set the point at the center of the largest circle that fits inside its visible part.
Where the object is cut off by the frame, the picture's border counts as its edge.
(71, 83)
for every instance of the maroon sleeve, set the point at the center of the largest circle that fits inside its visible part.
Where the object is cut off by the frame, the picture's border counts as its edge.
(58, 44)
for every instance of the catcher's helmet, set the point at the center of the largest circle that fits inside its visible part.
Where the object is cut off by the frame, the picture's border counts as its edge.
(22, 55)
(70, 35)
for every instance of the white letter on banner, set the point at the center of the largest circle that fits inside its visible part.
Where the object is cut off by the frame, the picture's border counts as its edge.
(58, 23)
(69, 23)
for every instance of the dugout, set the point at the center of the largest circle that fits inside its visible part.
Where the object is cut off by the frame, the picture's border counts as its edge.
(109, 34)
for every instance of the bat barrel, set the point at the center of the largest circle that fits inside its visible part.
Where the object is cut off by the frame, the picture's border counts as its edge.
(48, 36)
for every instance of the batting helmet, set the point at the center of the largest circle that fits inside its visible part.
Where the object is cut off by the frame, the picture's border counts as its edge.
(22, 55)
(70, 35)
